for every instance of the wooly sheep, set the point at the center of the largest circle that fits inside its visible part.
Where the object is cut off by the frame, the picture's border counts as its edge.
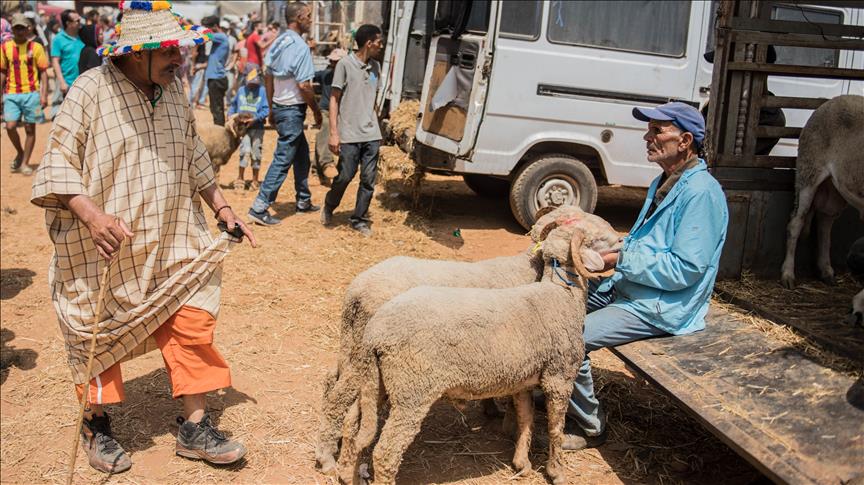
(475, 343)
(379, 284)
(222, 141)
(829, 174)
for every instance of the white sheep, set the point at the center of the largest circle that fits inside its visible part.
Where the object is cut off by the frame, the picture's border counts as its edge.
(475, 343)
(222, 141)
(829, 174)
(377, 285)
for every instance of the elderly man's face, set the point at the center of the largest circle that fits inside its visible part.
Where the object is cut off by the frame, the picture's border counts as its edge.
(162, 68)
(304, 18)
(665, 142)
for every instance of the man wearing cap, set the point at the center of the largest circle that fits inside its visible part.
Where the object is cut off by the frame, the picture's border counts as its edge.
(325, 166)
(24, 89)
(216, 75)
(665, 271)
(123, 182)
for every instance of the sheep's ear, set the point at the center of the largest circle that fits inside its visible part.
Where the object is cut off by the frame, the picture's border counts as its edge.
(592, 260)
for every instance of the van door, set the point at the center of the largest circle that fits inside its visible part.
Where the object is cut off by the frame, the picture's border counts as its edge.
(456, 77)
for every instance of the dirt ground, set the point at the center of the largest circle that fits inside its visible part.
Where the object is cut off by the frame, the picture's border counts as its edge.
(278, 329)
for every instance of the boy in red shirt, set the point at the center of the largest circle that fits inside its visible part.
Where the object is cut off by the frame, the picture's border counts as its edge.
(22, 67)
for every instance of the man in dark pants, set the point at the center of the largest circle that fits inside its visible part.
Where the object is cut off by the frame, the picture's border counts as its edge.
(215, 75)
(354, 132)
(288, 80)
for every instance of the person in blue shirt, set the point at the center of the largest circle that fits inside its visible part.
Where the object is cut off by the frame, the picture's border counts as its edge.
(251, 104)
(66, 49)
(665, 270)
(215, 74)
(288, 79)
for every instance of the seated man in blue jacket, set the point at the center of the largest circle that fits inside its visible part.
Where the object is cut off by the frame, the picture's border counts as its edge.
(665, 270)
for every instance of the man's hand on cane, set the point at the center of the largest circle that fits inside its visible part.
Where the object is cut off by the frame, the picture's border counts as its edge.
(108, 232)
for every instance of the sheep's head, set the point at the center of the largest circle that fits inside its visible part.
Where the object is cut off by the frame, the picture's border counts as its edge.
(238, 124)
(578, 240)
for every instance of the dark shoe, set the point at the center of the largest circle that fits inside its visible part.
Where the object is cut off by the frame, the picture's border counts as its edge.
(15, 165)
(202, 441)
(363, 229)
(326, 216)
(103, 451)
(308, 208)
(263, 218)
(575, 439)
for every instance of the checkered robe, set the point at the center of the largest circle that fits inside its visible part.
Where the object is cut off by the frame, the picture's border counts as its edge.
(145, 165)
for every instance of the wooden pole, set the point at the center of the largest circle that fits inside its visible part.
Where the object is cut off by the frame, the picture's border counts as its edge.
(94, 329)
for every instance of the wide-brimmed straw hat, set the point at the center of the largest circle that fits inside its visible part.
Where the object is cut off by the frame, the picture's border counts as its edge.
(151, 25)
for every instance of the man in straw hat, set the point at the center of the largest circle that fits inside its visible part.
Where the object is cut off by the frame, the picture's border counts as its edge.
(125, 164)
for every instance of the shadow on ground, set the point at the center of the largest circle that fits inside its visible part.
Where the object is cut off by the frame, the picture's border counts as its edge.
(24, 359)
(13, 281)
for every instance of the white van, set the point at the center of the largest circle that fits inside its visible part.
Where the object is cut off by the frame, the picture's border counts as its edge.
(535, 98)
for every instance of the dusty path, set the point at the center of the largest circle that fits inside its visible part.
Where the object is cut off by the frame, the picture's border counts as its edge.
(278, 331)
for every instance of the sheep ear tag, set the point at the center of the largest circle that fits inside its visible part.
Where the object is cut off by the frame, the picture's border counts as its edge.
(592, 260)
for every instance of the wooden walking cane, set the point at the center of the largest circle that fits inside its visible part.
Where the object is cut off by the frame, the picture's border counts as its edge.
(100, 304)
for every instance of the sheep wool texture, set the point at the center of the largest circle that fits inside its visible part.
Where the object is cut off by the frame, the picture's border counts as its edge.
(377, 285)
(145, 165)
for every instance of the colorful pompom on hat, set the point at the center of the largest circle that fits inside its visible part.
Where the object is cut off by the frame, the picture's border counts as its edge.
(151, 25)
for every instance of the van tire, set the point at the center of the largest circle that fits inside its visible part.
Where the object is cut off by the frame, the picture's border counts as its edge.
(486, 185)
(567, 175)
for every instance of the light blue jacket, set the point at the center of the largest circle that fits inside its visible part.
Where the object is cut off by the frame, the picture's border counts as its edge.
(668, 263)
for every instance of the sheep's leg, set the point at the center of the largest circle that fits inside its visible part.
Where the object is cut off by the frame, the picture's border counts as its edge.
(524, 404)
(557, 390)
(508, 424)
(402, 426)
(804, 199)
(829, 205)
(333, 408)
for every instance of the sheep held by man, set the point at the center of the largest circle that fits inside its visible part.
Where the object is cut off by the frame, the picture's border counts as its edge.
(380, 283)
(829, 174)
(222, 141)
(476, 343)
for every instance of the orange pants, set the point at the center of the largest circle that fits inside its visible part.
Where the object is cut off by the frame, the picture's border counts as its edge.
(193, 363)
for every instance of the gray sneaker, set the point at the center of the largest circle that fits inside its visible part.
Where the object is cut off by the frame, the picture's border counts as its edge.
(15, 166)
(263, 218)
(363, 229)
(103, 451)
(202, 441)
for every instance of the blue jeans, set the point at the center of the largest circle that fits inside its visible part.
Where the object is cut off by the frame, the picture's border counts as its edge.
(198, 80)
(351, 156)
(605, 326)
(291, 148)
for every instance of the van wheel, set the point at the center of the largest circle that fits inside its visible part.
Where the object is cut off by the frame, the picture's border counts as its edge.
(486, 185)
(551, 180)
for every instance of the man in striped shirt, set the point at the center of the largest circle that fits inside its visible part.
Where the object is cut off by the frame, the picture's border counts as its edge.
(22, 65)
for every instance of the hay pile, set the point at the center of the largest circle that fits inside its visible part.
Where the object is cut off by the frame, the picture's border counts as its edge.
(403, 124)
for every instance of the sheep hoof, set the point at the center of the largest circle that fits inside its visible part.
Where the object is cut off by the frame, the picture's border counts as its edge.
(788, 281)
(522, 465)
(326, 463)
(829, 279)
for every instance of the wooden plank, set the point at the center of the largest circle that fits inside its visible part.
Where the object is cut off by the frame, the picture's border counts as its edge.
(748, 178)
(792, 102)
(798, 71)
(815, 41)
(778, 131)
(844, 340)
(790, 27)
(786, 414)
(756, 161)
(758, 83)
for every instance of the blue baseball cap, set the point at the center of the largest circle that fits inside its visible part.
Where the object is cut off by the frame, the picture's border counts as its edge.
(682, 115)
